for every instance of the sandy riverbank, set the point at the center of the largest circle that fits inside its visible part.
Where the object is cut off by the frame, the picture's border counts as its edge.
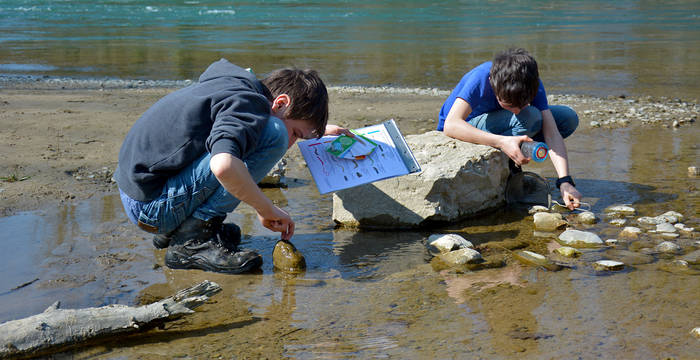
(62, 145)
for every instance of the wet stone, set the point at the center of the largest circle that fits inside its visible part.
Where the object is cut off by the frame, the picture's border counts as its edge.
(618, 222)
(532, 258)
(577, 238)
(608, 265)
(548, 221)
(586, 217)
(678, 267)
(630, 232)
(286, 257)
(611, 242)
(666, 228)
(666, 235)
(620, 211)
(567, 251)
(443, 243)
(629, 257)
(692, 257)
(537, 209)
(693, 171)
(695, 332)
(682, 227)
(461, 257)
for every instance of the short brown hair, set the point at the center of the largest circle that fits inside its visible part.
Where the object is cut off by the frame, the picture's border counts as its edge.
(308, 94)
(514, 77)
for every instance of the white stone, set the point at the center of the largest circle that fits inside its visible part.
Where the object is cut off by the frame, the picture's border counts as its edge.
(695, 332)
(443, 243)
(537, 209)
(630, 232)
(684, 228)
(608, 265)
(669, 235)
(668, 247)
(611, 242)
(548, 221)
(648, 220)
(461, 257)
(675, 214)
(618, 222)
(586, 217)
(458, 180)
(621, 209)
(666, 227)
(567, 251)
(578, 238)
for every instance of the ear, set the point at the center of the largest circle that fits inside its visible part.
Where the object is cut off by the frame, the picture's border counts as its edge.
(280, 102)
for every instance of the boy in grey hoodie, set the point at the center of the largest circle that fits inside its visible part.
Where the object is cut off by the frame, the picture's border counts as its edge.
(194, 155)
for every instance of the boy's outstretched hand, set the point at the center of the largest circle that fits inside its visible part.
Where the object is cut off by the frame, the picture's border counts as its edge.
(278, 220)
(571, 196)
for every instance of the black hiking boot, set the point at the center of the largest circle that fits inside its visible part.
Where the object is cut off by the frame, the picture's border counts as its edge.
(229, 233)
(197, 244)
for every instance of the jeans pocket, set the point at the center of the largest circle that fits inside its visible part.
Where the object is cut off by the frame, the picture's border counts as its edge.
(177, 206)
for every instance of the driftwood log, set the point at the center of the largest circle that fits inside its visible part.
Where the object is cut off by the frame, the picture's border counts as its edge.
(59, 328)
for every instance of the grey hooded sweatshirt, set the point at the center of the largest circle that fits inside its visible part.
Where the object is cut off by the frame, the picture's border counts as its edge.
(225, 112)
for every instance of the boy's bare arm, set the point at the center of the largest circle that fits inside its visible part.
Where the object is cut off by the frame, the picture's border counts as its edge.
(456, 127)
(235, 178)
(560, 159)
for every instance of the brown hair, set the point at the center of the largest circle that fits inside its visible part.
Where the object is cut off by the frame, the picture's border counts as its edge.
(308, 94)
(514, 77)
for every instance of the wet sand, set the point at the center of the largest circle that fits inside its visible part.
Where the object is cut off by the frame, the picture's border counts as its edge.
(364, 294)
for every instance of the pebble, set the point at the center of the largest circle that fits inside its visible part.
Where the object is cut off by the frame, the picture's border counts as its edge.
(586, 217)
(623, 210)
(611, 242)
(695, 332)
(548, 221)
(578, 238)
(443, 243)
(693, 171)
(666, 228)
(669, 235)
(618, 222)
(608, 265)
(668, 247)
(461, 257)
(683, 227)
(532, 258)
(287, 258)
(692, 257)
(536, 209)
(630, 232)
(567, 251)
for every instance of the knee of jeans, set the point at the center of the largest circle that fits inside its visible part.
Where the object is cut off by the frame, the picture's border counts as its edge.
(531, 119)
(568, 119)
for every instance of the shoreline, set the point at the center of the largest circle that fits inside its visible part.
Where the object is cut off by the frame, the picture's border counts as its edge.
(61, 145)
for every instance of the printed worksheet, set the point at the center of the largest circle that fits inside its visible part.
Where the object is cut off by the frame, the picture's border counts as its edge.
(332, 173)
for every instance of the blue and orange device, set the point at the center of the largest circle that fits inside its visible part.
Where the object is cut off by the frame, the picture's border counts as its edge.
(534, 150)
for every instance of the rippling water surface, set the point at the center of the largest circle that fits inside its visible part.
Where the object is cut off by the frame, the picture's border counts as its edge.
(595, 47)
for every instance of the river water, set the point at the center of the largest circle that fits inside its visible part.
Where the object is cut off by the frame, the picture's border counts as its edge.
(375, 294)
(597, 47)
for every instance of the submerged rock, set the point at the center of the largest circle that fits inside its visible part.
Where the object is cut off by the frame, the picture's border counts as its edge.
(457, 181)
(620, 211)
(630, 232)
(461, 257)
(568, 251)
(629, 257)
(618, 222)
(586, 217)
(678, 267)
(443, 243)
(548, 221)
(531, 258)
(286, 257)
(577, 238)
(608, 265)
(692, 257)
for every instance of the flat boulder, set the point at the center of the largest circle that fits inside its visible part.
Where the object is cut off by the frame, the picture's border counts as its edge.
(457, 181)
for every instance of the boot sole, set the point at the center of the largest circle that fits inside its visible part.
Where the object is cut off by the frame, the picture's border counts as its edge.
(199, 264)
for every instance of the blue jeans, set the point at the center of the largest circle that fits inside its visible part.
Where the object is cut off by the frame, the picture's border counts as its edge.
(527, 122)
(195, 191)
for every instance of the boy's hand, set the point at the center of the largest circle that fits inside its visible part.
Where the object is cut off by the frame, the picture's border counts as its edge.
(571, 196)
(337, 130)
(278, 220)
(510, 145)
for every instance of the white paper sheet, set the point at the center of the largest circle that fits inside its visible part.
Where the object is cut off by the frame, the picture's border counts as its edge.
(331, 173)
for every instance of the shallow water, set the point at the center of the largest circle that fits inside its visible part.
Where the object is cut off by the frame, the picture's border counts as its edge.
(375, 294)
(594, 47)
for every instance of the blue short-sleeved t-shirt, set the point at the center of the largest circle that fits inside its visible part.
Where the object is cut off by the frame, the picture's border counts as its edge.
(475, 89)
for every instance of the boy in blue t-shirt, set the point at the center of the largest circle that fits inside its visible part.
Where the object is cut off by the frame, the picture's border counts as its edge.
(502, 103)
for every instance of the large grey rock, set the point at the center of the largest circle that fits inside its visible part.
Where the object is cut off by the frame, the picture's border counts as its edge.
(457, 181)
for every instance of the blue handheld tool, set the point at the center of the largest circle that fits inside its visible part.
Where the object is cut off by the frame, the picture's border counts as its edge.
(534, 150)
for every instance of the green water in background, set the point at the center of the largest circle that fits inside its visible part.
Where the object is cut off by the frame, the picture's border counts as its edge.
(593, 47)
